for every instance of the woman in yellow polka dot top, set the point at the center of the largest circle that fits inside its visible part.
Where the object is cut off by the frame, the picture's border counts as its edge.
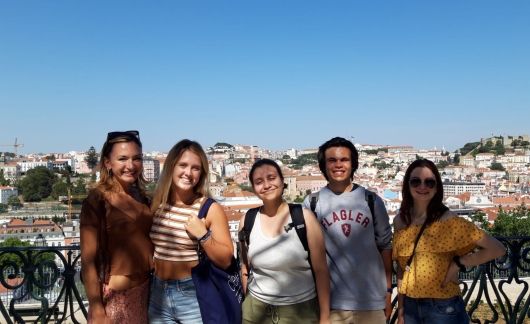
(428, 271)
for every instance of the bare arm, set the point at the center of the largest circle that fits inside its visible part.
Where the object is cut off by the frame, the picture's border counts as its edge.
(400, 296)
(89, 239)
(317, 249)
(244, 258)
(398, 225)
(386, 255)
(489, 248)
(218, 246)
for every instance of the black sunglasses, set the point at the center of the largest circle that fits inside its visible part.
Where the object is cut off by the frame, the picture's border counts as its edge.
(129, 133)
(416, 182)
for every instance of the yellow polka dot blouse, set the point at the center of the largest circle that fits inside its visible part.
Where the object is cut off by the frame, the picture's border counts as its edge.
(439, 243)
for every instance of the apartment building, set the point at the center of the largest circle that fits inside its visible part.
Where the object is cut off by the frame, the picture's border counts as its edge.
(453, 188)
(25, 166)
(11, 171)
(6, 192)
(151, 169)
(29, 230)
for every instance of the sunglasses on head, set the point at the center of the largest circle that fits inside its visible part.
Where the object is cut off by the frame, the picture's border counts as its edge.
(416, 182)
(129, 133)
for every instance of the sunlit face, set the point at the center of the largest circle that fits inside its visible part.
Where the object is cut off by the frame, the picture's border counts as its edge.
(267, 183)
(187, 171)
(425, 178)
(338, 164)
(125, 162)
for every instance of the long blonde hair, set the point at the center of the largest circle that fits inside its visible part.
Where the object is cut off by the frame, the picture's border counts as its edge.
(107, 182)
(163, 190)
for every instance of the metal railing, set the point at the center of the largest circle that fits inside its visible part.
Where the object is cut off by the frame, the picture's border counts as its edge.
(42, 285)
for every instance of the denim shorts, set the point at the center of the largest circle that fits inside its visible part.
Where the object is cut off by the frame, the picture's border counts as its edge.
(435, 311)
(173, 301)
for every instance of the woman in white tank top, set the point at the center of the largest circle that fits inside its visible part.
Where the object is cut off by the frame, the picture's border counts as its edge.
(281, 287)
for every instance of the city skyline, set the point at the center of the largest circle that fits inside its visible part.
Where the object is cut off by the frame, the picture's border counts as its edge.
(277, 75)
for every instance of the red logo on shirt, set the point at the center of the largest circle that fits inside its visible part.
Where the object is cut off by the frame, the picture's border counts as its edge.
(346, 229)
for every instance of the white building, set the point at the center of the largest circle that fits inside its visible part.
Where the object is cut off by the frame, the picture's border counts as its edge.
(25, 166)
(11, 171)
(454, 188)
(151, 169)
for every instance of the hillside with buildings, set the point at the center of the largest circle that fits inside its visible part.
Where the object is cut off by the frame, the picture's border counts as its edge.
(482, 176)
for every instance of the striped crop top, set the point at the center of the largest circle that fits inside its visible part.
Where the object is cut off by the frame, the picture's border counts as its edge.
(170, 239)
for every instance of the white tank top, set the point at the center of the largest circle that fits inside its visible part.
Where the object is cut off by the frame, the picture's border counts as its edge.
(281, 272)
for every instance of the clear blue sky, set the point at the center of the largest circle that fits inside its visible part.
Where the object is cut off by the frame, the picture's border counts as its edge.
(277, 74)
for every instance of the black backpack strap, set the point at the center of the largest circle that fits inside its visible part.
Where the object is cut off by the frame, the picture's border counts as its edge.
(250, 218)
(313, 199)
(369, 197)
(244, 237)
(205, 207)
(297, 215)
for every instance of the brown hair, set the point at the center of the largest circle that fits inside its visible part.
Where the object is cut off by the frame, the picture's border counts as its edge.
(164, 186)
(436, 207)
(106, 179)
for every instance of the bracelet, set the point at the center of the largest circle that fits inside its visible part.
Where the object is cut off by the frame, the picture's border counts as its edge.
(456, 260)
(205, 237)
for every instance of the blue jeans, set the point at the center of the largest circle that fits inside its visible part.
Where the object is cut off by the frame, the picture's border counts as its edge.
(173, 301)
(435, 311)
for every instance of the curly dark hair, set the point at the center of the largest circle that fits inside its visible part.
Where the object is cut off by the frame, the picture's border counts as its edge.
(337, 142)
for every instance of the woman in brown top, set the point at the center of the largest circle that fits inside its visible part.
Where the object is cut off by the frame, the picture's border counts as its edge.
(116, 252)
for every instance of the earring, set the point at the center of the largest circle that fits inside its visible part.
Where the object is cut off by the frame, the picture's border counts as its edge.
(110, 172)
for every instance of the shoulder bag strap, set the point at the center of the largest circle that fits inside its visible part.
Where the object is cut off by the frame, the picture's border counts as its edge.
(409, 261)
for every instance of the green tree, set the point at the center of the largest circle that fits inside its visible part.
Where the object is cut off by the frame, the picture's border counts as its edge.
(286, 159)
(299, 199)
(468, 147)
(222, 144)
(60, 188)
(456, 159)
(37, 184)
(499, 148)
(3, 208)
(442, 164)
(58, 219)
(3, 180)
(91, 160)
(497, 166)
(304, 159)
(14, 202)
(11, 257)
(512, 223)
(80, 187)
(481, 219)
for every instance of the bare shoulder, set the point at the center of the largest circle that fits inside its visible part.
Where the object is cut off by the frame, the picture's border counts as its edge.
(309, 216)
(216, 210)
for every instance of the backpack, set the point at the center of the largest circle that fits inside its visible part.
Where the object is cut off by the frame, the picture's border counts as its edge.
(298, 223)
(368, 196)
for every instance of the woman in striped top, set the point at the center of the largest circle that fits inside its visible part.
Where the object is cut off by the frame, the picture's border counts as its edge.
(177, 231)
